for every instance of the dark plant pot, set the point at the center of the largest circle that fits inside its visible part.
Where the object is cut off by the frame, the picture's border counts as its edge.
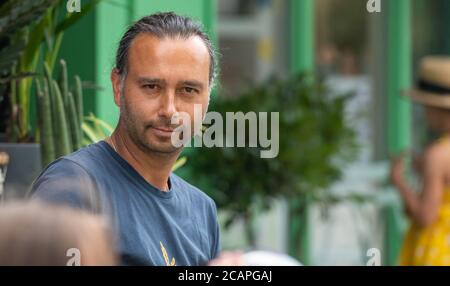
(24, 166)
(2, 137)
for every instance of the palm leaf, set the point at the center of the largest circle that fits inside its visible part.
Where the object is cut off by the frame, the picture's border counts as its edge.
(14, 15)
(90, 133)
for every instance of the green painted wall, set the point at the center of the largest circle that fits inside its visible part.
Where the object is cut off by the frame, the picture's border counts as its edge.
(111, 22)
(78, 50)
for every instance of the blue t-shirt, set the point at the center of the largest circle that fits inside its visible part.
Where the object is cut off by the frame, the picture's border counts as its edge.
(178, 227)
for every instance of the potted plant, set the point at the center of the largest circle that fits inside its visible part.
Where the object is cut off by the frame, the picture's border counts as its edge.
(31, 32)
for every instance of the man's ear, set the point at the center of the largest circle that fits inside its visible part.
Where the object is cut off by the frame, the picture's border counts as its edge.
(115, 81)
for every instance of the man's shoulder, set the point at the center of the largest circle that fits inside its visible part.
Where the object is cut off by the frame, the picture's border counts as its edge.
(86, 157)
(192, 191)
(68, 180)
(84, 162)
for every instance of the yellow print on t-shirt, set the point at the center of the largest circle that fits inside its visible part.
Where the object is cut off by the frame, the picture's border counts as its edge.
(166, 257)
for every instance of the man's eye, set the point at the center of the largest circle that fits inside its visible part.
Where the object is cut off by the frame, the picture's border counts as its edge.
(150, 86)
(189, 90)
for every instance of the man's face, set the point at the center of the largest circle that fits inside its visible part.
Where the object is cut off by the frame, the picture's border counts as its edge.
(164, 77)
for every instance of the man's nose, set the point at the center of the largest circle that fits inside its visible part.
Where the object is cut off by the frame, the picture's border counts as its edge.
(167, 105)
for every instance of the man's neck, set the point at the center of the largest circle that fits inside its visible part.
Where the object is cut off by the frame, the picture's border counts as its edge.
(154, 168)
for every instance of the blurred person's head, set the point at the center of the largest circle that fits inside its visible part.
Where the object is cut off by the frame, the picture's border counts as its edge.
(165, 64)
(433, 91)
(34, 234)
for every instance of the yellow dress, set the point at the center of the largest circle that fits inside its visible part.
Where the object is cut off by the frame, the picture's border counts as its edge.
(429, 245)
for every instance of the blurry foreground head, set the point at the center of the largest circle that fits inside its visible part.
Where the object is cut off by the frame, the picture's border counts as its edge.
(433, 91)
(34, 234)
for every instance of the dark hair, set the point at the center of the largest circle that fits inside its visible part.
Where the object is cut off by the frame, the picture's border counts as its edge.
(162, 25)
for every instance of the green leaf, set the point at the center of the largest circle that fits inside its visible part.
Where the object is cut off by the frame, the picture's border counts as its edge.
(179, 163)
(15, 15)
(100, 122)
(90, 133)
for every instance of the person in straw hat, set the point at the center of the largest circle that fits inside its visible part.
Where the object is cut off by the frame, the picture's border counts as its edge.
(427, 242)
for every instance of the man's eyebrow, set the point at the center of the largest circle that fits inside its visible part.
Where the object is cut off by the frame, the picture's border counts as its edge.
(193, 83)
(148, 80)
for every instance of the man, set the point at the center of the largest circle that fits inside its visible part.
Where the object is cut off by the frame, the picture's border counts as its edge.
(164, 66)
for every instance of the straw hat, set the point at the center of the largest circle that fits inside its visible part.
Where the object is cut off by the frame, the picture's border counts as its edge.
(433, 86)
